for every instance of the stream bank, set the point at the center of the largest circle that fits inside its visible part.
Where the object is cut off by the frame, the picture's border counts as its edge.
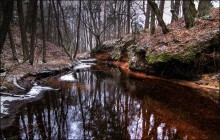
(189, 56)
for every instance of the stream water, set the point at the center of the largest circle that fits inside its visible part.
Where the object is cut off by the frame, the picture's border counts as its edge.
(105, 103)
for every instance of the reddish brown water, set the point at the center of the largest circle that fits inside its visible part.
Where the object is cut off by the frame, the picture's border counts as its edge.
(107, 104)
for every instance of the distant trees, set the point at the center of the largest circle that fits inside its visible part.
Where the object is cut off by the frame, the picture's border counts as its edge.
(78, 26)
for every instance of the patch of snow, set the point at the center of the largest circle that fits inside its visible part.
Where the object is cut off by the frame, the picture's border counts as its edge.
(2, 74)
(82, 66)
(4, 109)
(68, 77)
(35, 90)
(88, 60)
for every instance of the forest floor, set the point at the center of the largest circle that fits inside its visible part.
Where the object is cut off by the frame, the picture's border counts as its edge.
(55, 57)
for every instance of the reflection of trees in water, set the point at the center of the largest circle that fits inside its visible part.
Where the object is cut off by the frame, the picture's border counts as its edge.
(97, 108)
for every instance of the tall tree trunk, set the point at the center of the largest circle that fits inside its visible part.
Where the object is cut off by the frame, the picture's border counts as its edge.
(128, 16)
(104, 19)
(161, 8)
(78, 31)
(43, 31)
(175, 11)
(189, 13)
(7, 7)
(204, 7)
(14, 53)
(33, 30)
(162, 2)
(29, 16)
(24, 41)
(152, 21)
(159, 17)
(147, 19)
(49, 22)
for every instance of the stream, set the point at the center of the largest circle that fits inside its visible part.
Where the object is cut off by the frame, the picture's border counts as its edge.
(105, 103)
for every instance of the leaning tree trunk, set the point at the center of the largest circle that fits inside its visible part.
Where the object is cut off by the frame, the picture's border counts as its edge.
(189, 12)
(159, 17)
(204, 7)
(7, 8)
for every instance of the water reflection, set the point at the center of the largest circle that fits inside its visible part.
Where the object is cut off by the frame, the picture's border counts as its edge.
(107, 104)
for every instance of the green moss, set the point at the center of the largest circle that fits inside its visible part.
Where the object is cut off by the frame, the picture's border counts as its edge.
(185, 58)
(151, 59)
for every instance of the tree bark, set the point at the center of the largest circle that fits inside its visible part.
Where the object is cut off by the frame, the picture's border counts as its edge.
(162, 2)
(14, 53)
(43, 31)
(128, 16)
(78, 31)
(104, 19)
(24, 41)
(159, 17)
(33, 30)
(204, 7)
(7, 7)
(189, 13)
(147, 19)
(175, 11)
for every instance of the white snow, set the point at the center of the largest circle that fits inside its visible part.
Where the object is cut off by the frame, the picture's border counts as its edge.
(68, 77)
(4, 109)
(35, 90)
(82, 66)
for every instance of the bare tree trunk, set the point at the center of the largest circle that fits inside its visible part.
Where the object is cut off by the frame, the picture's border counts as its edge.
(189, 13)
(204, 7)
(175, 11)
(104, 19)
(147, 19)
(162, 2)
(7, 7)
(22, 30)
(128, 16)
(152, 21)
(14, 53)
(33, 30)
(159, 17)
(43, 31)
(49, 22)
(78, 31)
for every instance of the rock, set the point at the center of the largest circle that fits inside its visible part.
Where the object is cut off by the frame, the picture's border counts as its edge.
(198, 82)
